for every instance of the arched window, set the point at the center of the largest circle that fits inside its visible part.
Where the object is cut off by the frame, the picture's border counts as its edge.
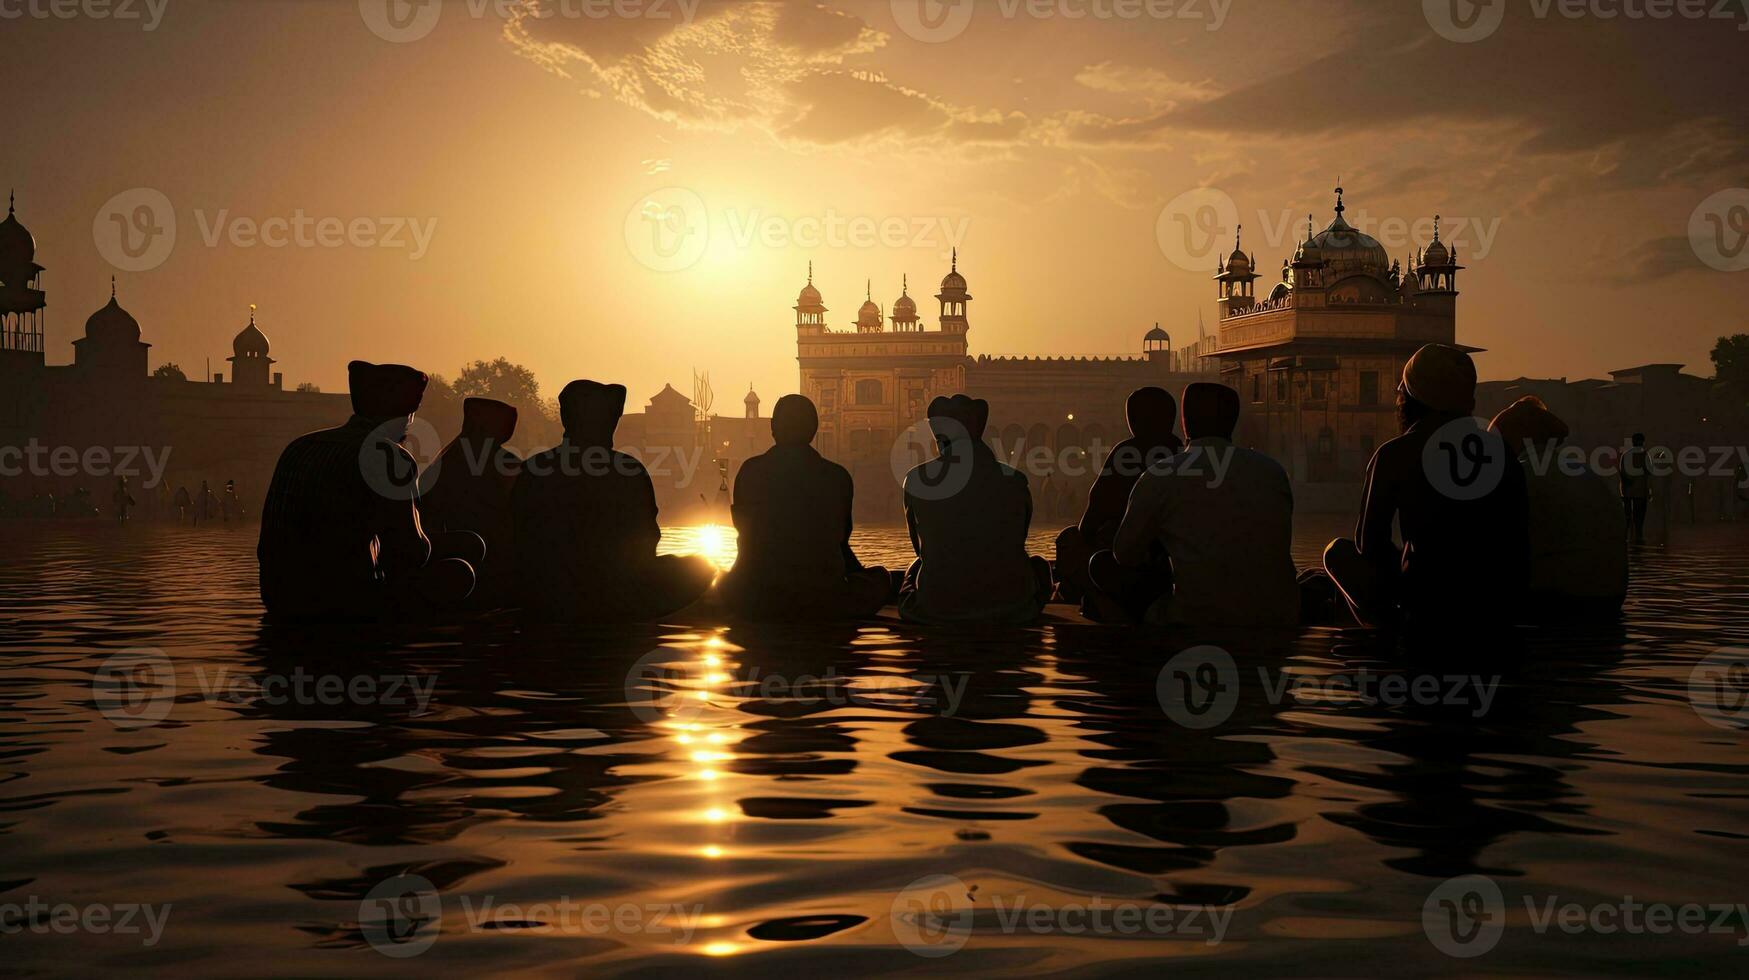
(868, 392)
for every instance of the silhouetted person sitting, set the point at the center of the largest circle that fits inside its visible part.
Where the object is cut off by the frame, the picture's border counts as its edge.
(1458, 500)
(792, 516)
(968, 514)
(1151, 413)
(585, 524)
(1578, 556)
(1636, 488)
(1222, 515)
(340, 532)
(468, 489)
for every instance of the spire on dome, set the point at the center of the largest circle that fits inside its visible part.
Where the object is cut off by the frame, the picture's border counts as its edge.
(1339, 206)
(1436, 227)
(112, 287)
(810, 272)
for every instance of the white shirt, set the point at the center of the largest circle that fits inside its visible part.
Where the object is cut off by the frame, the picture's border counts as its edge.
(1225, 517)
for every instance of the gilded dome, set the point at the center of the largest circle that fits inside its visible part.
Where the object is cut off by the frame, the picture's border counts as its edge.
(250, 341)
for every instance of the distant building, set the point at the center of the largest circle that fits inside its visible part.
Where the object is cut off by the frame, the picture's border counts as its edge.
(1055, 417)
(693, 458)
(212, 429)
(1316, 360)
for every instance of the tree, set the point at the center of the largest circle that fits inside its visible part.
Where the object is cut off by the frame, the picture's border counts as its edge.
(309, 387)
(169, 369)
(1731, 363)
(510, 383)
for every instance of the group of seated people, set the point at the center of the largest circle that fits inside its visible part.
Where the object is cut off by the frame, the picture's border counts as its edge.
(1195, 531)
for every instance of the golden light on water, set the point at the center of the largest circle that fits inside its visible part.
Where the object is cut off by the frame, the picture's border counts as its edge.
(716, 544)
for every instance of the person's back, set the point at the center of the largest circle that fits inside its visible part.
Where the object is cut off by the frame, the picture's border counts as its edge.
(317, 528)
(468, 489)
(585, 523)
(792, 510)
(1577, 554)
(1224, 517)
(968, 513)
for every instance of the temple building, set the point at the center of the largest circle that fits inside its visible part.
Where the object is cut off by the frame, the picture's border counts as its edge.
(1316, 359)
(212, 429)
(873, 380)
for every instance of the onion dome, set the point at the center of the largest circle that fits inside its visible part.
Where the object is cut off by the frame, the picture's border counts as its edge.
(1346, 249)
(250, 341)
(953, 282)
(868, 317)
(17, 246)
(112, 324)
(905, 308)
(751, 399)
(1156, 335)
(1437, 254)
(809, 296)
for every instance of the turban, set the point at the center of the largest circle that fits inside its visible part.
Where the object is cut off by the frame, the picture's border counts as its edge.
(384, 391)
(489, 418)
(1151, 413)
(794, 420)
(1528, 420)
(590, 411)
(970, 413)
(1441, 377)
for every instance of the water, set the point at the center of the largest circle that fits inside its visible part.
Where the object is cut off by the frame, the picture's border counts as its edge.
(787, 800)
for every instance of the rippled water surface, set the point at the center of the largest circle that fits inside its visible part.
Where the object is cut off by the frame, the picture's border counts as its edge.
(838, 800)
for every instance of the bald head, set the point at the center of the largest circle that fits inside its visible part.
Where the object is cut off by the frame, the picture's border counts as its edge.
(1210, 411)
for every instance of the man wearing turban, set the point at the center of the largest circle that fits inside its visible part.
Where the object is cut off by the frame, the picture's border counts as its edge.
(1458, 498)
(968, 514)
(341, 537)
(585, 524)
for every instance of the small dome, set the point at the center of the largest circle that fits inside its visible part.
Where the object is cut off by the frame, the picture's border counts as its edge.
(250, 341)
(751, 399)
(904, 307)
(1437, 254)
(112, 324)
(17, 247)
(953, 282)
(868, 308)
(1157, 334)
(809, 296)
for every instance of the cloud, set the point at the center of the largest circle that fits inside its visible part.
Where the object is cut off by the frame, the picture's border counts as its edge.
(1657, 258)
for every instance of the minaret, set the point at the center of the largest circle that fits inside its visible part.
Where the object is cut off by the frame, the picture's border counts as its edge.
(905, 309)
(250, 364)
(953, 298)
(810, 311)
(1436, 275)
(21, 296)
(1234, 289)
(752, 403)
